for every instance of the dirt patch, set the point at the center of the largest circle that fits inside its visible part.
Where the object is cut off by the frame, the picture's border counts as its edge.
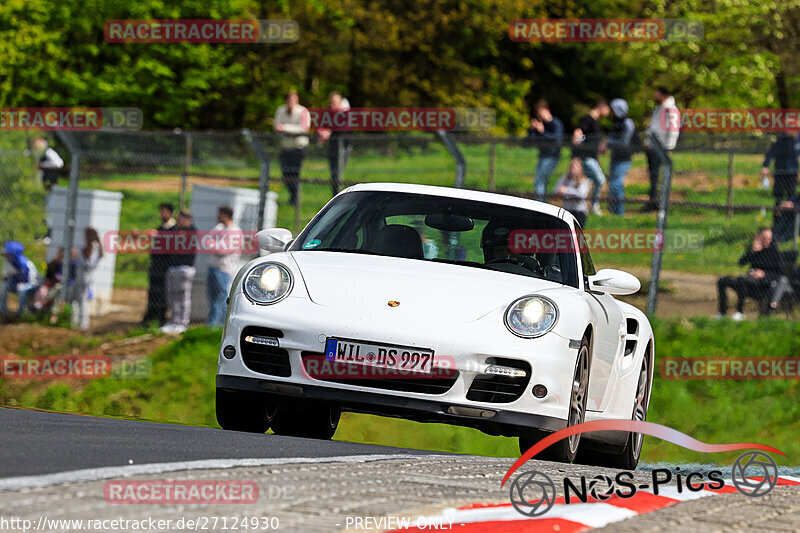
(686, 294)
(171, 184)
(696, 181)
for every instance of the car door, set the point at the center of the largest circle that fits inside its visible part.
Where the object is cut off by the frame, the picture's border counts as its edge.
(608, 336)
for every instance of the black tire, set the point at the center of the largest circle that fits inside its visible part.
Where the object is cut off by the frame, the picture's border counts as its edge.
(628, 458)
(565, 450)
(237, 411)
(313, 420)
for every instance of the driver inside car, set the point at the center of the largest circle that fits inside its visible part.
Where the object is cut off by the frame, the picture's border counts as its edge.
(498, 253)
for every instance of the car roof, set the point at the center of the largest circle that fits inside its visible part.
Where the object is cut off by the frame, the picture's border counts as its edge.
(466, 194)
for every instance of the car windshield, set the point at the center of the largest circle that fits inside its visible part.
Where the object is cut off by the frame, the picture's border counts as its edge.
(437, 228)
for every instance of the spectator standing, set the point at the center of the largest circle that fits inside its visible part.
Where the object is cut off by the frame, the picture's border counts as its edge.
(221, 270)
(86, 263)
(785, 218)
(19, 277)
(292, 123)
(622, 141)
(586, 141)
(180, 276)
(765, 268)
(157, 273)
(547, 133)
(785, 151)
(334, 138)
(50, 163)
(665, 127)
(573, 189)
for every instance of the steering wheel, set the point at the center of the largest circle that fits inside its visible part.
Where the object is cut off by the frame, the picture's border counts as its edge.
(525, 261)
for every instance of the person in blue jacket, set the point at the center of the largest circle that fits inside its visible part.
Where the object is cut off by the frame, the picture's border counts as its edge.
(546, 133)
(622, 141)
(19, 277)
(785, 151)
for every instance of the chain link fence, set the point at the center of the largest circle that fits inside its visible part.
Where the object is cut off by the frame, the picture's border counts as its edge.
(716, 202)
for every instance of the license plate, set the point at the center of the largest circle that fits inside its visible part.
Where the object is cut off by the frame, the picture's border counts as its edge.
(379, 355)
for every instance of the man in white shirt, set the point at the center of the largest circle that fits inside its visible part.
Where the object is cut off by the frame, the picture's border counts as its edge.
(221, 269)
(50, 163)
(665, 127)
(292, 123)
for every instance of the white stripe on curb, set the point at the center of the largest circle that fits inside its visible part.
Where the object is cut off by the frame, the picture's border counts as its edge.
(110, 472)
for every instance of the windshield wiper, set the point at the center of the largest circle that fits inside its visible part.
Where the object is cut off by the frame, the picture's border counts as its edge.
(342, 250)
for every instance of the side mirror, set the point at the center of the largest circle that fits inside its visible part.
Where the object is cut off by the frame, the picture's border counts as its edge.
(612, 281)
(273, 239)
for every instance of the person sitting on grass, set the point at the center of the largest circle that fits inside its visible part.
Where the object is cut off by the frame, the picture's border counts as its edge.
(47, 293)
(765, 267)
(19, 277)
(573, 189)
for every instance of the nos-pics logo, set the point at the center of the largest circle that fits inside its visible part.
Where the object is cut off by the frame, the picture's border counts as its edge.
(533, 493)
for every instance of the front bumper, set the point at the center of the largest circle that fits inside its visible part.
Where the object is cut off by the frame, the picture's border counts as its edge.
(492, 421)
(305, 326)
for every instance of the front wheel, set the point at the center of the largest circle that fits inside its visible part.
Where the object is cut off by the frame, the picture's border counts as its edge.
(315, 420)
(565, 450)
(238, 411)
(629, 457)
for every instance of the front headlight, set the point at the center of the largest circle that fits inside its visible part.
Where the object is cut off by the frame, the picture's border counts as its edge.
(267, 283)
(531, 316)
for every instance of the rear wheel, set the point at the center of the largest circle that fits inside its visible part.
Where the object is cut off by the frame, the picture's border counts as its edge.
(239, 411)
(315, 420)
(629, 457)
(565, 450)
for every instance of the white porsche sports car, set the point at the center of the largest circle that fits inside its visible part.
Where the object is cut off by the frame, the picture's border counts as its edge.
(421, 302)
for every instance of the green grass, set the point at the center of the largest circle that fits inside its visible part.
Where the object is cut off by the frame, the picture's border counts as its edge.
(181, 390)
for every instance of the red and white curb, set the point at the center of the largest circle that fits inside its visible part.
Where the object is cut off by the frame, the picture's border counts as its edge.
(562, 517)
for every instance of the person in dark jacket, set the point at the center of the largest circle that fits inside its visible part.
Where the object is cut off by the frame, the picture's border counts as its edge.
(785, 151)
(765, 268)
(586, 141)
(157, 273)
(546, 133)
(622, 141)
(180, 276)
(785, 217)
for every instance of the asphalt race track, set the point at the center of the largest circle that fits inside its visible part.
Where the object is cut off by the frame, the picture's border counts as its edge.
(56, 467)
(37, 442)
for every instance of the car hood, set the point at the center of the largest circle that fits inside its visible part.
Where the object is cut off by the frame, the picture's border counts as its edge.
(424, 289)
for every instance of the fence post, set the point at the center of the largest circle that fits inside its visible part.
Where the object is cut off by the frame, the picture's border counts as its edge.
(492, 159)
(263, 175)
(730, 184)
(72, 207)
(298, 204)
(458, 157)
(661, 226)
(187, 166)
(339, 164)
